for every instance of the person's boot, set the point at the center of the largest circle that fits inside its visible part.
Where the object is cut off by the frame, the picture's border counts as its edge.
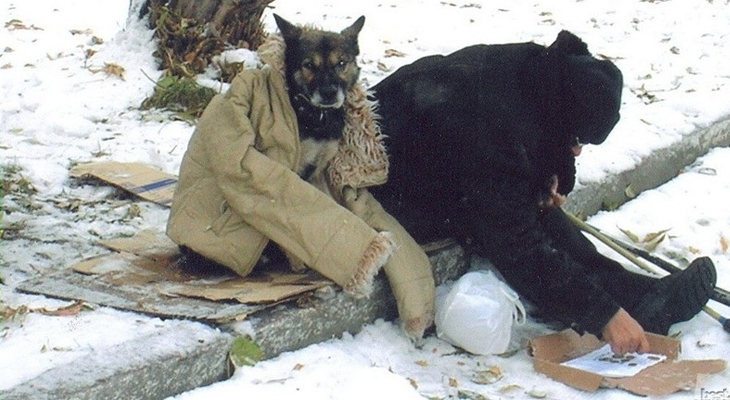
(677, 297)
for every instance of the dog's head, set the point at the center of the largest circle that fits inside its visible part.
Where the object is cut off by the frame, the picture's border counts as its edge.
(321, 65)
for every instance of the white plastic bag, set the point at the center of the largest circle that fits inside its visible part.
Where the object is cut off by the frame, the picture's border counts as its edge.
(478, 312)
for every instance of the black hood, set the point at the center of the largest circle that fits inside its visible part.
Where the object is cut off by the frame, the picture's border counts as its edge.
(593, 93)
(577, 97)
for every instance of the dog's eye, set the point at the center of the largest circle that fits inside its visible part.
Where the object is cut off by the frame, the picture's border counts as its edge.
(308, 64)
(341, 64)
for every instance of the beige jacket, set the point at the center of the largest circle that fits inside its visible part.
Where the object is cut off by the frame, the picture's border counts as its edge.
(237, 190)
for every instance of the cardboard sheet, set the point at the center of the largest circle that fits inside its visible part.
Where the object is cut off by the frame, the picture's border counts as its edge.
(141, 274)
(149, 258)
(139, 179)
(667, 377)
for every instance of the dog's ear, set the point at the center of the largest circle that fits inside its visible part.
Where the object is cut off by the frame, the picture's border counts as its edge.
(353, 30)
(288, 30)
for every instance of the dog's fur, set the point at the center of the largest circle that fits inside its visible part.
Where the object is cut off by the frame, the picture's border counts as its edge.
(320, 68)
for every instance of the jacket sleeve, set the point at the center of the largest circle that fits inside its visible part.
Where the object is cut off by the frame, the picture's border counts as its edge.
(259, 186)
(506, 221)
(409, 270)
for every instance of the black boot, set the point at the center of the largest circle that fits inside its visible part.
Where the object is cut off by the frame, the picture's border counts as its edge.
(677, 297)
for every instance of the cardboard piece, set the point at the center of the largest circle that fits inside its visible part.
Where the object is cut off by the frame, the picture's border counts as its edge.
(149, 257)
(665, 378)
(142, 180)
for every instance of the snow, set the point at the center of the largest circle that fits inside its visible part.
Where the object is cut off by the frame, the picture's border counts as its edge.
(60, 107)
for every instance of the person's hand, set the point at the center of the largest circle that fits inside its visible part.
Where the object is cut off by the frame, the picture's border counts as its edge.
(625, 335)
(555, 199)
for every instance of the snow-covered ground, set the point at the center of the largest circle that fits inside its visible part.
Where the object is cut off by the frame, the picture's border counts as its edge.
(73, 73)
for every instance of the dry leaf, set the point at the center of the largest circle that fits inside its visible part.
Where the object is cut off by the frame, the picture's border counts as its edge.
(509, 388)
(488, 376)
(693, 250)
(298, 367)
(422, 363)
(71, 310)
(653, 245)
(469, 395)
(630, 192)
(10, 313)
(724, 244)
(652, 236)
(453, 382)
(394, 53)
(383, 67)
(413, 383)
(114, 70)
(81, 31)
(630, 235)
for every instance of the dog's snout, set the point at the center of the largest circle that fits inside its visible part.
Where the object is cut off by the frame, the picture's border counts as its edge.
(328, 93)
(328, 96)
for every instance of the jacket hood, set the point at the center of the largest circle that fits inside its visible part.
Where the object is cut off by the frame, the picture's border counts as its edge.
(361, 159)
(579, 98)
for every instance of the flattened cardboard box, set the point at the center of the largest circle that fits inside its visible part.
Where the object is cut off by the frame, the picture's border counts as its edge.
(145, 263)
(662, 379)
(142, 180)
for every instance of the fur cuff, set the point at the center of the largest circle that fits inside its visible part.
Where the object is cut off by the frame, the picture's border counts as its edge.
(373, 259)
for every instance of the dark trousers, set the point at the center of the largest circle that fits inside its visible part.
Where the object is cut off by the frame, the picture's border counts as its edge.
(626, 287)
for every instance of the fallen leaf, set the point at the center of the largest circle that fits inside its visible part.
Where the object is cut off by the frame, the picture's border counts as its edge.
(693, 250)
(470, 395)
(651, 246)
(453, 382)
(509, 388)
(10, 313)
(413, 383)
(394, 53)
(383, 67)
(422, 363)
(298, 367)
(114, 70)
(724, 244)
(86, 31)
(70, 310)
(245, 352)
(488, 376)
(634, 238)
(537, 394)
(651, 236)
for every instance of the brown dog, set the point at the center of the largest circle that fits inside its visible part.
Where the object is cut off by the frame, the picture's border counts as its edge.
(320, 68)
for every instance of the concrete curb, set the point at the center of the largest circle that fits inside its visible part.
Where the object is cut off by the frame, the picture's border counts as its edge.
(654, 170)
(198, 356)
(187, 356)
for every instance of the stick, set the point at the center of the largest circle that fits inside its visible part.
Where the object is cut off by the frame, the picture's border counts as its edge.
(719, 294)
(639, 263)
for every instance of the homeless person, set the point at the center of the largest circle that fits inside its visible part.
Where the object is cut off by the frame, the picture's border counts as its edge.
(483, 145)
(238, 192)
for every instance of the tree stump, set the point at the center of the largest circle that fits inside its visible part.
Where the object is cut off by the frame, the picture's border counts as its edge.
(192, 32)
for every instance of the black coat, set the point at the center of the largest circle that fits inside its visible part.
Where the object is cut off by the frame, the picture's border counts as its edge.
(474, 139)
